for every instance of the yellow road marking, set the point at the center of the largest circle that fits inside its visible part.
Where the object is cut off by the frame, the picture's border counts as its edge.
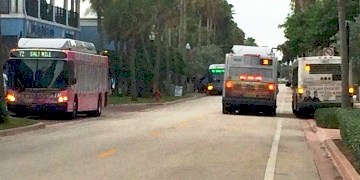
(155, 133)
(107, 153)
(184, 123)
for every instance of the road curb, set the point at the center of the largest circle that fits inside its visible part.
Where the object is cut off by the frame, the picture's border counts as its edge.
(313, 126)
(157, 104)
(18, 130)
(346, 170)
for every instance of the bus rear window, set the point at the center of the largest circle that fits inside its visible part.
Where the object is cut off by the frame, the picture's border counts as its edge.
(237, 71)
(325, 68)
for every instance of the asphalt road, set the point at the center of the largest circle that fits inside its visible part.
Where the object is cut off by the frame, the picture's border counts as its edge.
(189, 140)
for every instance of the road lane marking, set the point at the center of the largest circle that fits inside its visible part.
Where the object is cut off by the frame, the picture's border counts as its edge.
(271, 164)
(107, 153)
(155, 133)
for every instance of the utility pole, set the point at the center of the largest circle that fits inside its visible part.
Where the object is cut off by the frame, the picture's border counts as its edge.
(345, 98)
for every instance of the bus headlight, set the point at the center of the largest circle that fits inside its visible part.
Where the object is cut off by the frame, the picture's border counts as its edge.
(62, 98)
(300, 90)
(210, 87)
(10, 97)
(351, 90)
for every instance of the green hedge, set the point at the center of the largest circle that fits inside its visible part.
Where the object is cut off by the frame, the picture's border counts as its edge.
(350, 130)
(326, 118)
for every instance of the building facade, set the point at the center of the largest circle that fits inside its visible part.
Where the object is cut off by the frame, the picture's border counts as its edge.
(89, 33)
(39, 19)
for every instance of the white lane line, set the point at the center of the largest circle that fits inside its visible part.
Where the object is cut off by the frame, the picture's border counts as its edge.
(271, 164)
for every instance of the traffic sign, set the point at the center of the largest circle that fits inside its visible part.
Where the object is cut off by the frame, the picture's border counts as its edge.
(328, 51)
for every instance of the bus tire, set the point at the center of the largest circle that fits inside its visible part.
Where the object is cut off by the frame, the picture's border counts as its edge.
(99, 108)
(272, 111)
(226, 109)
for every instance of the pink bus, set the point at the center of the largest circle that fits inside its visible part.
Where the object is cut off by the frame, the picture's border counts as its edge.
(56, 76)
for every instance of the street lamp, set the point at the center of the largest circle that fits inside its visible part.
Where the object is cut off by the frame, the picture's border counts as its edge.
(152, 36)
(188, 47)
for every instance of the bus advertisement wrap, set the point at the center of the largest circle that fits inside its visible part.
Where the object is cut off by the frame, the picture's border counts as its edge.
(323, 92)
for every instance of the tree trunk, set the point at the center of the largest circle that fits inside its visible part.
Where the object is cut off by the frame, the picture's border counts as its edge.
(168, 44)
(157, 62)
(147, 56)
(3, 57)
(208, 28)
(134, 93)
(345, 99)
(199, 31)
(99, 28)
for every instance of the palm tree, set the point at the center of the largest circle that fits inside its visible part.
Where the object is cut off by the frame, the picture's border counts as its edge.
(98, 7)
(128, 19)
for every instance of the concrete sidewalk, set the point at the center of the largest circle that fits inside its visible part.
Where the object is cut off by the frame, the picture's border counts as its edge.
(326, 136)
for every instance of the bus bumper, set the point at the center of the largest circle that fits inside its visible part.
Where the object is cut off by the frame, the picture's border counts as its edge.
(235, 102)
(37, 109)
(309, 108)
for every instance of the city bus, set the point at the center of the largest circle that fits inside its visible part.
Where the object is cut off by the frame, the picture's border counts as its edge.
(215, 79)
(56, 76)
(250, 80)
(316, 82)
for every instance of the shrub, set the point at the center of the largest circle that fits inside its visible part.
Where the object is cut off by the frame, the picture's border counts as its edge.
(326, 118)
(350, 130)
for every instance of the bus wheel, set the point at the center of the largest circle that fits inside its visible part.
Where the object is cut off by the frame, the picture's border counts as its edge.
(226, 109)
(99, 108)
(272, 111)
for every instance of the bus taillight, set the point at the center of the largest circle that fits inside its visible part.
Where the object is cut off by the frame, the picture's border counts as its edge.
(307, 67)
(271, 86)
(300, 90)
(10, 97)
(351, 90)
(229, 84)
(242, 77)
(258, 78)
(251, 78)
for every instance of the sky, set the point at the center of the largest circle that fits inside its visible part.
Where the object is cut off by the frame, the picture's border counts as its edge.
(259, 19)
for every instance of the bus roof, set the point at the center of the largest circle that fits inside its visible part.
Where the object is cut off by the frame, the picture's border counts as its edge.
(57, 43)
(240, 50)
(217, 66)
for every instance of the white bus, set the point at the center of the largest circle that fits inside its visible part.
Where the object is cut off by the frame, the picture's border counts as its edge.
(316, 82)
(250, 80)
(215, 79)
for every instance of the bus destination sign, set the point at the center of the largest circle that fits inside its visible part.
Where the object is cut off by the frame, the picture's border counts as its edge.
(37, 54)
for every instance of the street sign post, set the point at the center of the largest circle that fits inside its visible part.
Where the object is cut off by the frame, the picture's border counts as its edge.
(328, 51)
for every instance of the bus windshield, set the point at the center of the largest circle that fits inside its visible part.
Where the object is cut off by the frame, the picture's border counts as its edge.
(216, 78)
(37, 73)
